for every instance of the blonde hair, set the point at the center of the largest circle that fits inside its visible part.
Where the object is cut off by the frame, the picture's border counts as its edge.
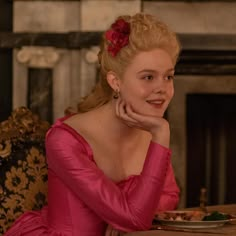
(146, 33)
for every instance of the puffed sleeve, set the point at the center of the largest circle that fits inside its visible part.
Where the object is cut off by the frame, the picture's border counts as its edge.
(68, 158)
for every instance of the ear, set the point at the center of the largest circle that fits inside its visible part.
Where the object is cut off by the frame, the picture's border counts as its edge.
(113, 80)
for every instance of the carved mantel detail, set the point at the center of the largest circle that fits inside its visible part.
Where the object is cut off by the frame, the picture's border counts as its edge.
(38, 57)
(91, 55)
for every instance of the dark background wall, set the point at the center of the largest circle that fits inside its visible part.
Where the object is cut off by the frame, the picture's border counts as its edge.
(5, 62)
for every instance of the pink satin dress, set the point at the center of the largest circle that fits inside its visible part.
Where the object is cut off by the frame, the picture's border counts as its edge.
(82, 201)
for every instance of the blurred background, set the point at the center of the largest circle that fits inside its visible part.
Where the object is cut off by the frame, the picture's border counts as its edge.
(48, 60)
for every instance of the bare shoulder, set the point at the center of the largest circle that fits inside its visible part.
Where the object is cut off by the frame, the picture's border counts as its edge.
(83, 123)
(76, 120)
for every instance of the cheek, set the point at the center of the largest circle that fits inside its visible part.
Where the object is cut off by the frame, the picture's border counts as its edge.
(170, 91)
(132, 91)
(134, 96)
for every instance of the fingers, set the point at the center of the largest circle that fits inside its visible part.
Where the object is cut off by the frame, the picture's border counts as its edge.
(158, 127)
(133, 115)
(115, 232)
(122, 113)
(132, 119)
(118, 105)
(139, 121)
(110, 231)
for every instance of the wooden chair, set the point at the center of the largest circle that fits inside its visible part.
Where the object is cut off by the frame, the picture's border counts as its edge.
(23, 168)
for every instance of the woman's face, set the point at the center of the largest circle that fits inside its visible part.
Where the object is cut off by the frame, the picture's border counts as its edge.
(147, 84)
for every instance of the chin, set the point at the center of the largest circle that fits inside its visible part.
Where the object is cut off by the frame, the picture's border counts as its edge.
(157, 112)
(160, 115)
(150, 112)
(153, 113)
(144, 109)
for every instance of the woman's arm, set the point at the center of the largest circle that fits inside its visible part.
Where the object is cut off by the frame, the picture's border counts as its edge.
(170, 194)
(68, 158)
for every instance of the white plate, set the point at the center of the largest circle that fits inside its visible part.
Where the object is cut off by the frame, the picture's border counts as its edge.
(199, 224)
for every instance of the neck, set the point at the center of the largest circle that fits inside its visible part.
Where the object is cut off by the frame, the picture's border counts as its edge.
(115, 125)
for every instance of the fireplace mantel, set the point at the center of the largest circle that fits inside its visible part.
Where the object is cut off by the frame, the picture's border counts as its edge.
(201, 53)
(84, 39)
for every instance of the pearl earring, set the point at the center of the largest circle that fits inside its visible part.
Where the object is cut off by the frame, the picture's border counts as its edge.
(116, 94)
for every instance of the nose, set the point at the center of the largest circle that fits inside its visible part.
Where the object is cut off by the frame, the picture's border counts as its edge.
(160, 87)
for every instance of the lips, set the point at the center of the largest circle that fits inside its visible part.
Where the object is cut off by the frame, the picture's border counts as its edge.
(157, 102)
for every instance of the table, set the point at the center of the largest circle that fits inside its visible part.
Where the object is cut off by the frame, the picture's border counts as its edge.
(228, 229)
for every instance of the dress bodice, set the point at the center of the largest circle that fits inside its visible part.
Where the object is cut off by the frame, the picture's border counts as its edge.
(82, 200)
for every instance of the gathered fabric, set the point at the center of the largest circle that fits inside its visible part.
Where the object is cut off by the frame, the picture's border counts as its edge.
(83, 201)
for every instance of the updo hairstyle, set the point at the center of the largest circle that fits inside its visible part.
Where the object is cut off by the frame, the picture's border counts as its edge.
(146, 33)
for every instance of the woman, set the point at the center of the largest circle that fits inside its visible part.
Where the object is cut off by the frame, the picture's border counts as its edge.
(110, 163)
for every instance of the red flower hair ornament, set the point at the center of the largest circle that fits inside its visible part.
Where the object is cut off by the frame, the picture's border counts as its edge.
(118, 36)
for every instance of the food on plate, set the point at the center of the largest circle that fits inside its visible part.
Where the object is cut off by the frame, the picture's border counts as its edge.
(215, 215)
(191, 216)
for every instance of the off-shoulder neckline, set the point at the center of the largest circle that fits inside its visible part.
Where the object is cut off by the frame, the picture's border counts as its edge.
(89, 148)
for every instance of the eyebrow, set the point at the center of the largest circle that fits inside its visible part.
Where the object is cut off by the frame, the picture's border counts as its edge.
(154, 71)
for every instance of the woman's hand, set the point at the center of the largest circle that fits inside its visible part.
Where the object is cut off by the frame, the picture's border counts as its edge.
(110, 231)
(157, 126)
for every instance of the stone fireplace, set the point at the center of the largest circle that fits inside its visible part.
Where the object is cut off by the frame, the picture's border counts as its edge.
(178, 113)
(210, 147)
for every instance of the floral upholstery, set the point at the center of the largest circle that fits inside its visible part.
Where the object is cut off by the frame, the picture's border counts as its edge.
(23, 168)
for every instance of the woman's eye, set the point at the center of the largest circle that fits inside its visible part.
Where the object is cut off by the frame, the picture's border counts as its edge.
(148, 77)
(170, 77)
